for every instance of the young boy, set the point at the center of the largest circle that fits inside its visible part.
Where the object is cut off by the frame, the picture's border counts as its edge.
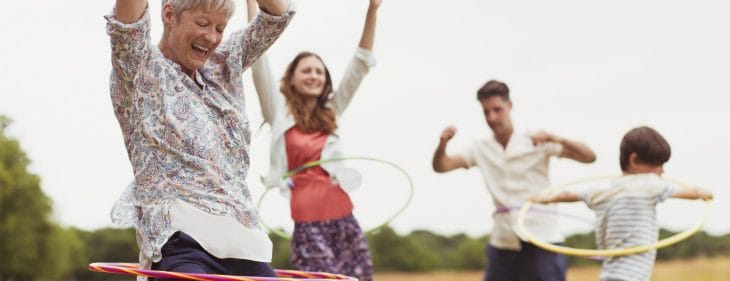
(625, 212)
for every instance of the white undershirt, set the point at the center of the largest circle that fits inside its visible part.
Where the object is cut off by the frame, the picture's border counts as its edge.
(220, 236)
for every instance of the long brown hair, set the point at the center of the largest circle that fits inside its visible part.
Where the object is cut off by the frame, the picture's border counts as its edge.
(311, 115)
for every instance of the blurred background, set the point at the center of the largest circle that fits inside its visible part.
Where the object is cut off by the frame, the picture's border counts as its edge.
(586, 70)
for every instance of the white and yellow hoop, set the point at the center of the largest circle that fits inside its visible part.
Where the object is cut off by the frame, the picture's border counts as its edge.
(606, 252)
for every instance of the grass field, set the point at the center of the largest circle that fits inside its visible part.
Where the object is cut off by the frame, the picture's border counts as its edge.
(702, 269)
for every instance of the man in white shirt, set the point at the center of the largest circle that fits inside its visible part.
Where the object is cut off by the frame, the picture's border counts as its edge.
(514, 167)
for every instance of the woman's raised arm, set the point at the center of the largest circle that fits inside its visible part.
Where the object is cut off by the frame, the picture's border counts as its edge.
(129, 11)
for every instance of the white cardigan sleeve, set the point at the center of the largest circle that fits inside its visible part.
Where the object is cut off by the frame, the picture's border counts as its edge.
(267, 89)
(356, 71)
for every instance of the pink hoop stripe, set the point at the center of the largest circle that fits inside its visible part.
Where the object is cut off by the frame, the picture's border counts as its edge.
(283, 275)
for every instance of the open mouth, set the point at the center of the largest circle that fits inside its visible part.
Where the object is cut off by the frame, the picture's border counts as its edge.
(314, 89)
(312, 84)
(200, 49)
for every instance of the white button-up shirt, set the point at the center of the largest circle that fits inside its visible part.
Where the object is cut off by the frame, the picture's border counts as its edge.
(512, 175)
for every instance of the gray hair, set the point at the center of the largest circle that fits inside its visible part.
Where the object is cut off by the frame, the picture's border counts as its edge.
(178, 6)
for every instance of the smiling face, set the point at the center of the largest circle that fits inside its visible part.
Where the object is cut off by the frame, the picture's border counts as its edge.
(191, 37)
(309, 77)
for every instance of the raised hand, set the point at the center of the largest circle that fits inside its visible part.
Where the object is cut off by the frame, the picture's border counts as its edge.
(368, 33)
(375, 3)
(448, 133)
(542, 137)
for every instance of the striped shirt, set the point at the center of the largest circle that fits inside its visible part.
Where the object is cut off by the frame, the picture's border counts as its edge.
(626, 217)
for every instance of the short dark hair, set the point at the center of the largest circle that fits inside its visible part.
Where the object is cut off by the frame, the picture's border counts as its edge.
(493, 88)
(650, 147)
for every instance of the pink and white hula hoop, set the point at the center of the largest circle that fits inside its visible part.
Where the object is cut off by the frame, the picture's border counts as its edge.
(283, 275)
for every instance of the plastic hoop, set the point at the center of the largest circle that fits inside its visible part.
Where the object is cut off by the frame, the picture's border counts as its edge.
(284, 275)
(606, 252)
(510, 209)
(311, 164)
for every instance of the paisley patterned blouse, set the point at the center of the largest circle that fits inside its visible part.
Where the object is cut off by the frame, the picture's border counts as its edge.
(185, 139)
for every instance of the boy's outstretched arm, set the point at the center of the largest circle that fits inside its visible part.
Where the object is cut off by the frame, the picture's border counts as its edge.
(564, 196)
(692, 193)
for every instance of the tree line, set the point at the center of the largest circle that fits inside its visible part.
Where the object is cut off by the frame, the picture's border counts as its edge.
(34, 247)
(65, 252)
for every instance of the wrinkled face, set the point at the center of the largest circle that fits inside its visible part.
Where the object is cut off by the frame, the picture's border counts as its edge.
(191, 37)
(497, 113)
(309, 77)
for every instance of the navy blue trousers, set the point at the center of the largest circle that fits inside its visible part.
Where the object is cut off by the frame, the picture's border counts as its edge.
(529, 264)
(182, 253)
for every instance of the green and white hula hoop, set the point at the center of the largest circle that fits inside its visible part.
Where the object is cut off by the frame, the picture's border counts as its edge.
(311, 164)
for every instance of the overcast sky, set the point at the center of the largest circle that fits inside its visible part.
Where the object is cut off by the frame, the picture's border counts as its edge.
(587, 70)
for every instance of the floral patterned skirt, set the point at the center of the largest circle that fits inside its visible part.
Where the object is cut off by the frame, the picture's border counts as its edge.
(335, 246)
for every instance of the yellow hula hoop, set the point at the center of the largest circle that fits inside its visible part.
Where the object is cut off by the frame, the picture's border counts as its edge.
(607, 252)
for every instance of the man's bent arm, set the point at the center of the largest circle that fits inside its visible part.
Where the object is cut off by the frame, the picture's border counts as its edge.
(443, 162)
(577, 151)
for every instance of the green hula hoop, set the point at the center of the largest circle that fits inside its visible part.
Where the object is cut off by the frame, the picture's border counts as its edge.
(311, 164)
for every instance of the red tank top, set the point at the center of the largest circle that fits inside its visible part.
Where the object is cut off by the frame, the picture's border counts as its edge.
(314, 197)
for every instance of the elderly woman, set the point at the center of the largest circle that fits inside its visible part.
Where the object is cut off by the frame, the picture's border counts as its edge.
(180, 105)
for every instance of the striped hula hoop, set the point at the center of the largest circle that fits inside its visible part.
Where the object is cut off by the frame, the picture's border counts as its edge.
(283, 275)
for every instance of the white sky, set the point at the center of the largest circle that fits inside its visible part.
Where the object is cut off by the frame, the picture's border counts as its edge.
(587, 70)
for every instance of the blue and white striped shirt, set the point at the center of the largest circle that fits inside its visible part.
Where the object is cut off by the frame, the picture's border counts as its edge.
(626, 217)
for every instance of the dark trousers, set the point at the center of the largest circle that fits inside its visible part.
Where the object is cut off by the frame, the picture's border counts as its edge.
(529, 264)
(183, 254)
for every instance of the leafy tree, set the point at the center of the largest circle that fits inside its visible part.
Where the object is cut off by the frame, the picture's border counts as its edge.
(105, 245)
(392, 252)
(24, 211)
(32, 246)
(64, 252)
(469, 254)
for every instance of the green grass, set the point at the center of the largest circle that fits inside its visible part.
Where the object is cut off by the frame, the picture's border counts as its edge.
(703, 269)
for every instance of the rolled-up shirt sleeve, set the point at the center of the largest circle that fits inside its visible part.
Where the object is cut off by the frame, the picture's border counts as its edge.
(359, 66)
(551, 148)
(130, 43)
(468, 155)
(247, 45)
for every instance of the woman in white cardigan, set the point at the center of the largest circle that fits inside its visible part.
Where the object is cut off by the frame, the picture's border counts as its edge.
(302, 109)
